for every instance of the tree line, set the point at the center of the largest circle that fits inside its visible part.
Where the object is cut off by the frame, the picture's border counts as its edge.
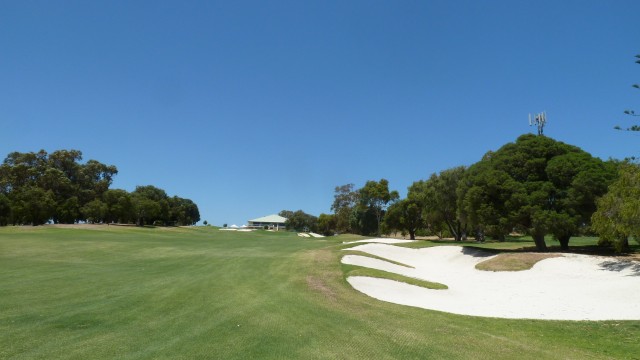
(37, 187)
(535, 186)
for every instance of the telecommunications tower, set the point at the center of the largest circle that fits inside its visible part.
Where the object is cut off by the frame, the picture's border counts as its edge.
(539, 120)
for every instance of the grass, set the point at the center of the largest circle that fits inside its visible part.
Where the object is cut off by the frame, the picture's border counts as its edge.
(362, 253)
(513, 261)
(374, 273)
(183, 293)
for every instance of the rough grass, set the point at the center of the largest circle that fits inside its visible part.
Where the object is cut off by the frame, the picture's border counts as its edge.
(185, 293)
(513, 261)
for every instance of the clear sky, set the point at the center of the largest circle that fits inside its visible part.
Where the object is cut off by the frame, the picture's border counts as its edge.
(252, 107)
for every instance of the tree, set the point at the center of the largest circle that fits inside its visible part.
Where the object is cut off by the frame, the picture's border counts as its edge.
(41, 187)
(94, 211)
(405, 215)
(146, 211)
(536, 185)
(32, 205)
(618, 212)
(151, 204)
(300, 221)
(344, 200)
(375, 195)
(120, 207)
(438, 199)
(327, 224)
(5, 210)
(631, 113)
(183, 211)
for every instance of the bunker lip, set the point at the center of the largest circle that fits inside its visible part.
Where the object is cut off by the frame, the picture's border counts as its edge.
(570, 287)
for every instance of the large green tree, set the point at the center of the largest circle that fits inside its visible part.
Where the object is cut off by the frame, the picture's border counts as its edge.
(537, 185)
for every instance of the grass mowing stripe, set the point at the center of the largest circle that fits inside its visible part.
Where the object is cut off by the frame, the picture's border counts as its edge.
(351, 270)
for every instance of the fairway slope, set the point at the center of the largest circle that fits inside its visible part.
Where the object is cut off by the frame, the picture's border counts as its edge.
(570, 287)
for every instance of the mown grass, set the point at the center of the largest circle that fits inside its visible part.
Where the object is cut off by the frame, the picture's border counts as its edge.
(351, 270)
(185, 293)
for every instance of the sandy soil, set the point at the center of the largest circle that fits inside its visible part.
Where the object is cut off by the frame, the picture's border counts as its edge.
(570, 287)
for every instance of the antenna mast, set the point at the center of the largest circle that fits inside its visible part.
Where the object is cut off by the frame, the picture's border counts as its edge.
(539, 120)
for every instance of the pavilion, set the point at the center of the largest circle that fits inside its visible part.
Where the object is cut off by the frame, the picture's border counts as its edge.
(273, 222)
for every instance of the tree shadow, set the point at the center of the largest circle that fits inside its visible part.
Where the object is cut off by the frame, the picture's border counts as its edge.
(478, 252)
(620, 265)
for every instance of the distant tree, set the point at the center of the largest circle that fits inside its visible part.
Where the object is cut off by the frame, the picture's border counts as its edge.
(5, 210)
(151, 204)
(67, 186)
(120, 206)
(616, 218)
(183, 211)
(205, 223)
(327, 224)
(300, 221)
(146, 211)
(437, 197)
(68, 210)
(287, 214)
(405, 215)
(344, 201)
(375, 195)
(32, 205)
(94, 211)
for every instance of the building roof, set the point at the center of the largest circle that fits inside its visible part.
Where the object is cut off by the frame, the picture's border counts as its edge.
(270, 219)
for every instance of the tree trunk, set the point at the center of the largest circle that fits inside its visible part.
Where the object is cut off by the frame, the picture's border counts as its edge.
(455, 232)
(412, 234)
(564, 242)
(540, 244)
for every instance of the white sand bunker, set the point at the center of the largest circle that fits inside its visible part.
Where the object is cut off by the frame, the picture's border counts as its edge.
(572, 287)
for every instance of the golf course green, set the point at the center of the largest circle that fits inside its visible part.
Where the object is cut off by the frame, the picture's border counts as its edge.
(106, 292)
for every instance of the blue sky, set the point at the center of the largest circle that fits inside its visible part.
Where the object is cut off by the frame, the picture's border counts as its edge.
(251, 107)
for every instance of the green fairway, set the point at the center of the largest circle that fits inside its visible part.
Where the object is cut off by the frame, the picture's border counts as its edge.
(194, 293)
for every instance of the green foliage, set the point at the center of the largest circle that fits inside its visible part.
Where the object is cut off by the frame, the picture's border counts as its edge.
(94, 211)
(69, 192)
(299, 220)
(618, 214)
(5, 210)
(406, 216)
(327, 224)
(32, 205)
(375, 196)
(344, 201)
(437, 198)
(536, 185)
